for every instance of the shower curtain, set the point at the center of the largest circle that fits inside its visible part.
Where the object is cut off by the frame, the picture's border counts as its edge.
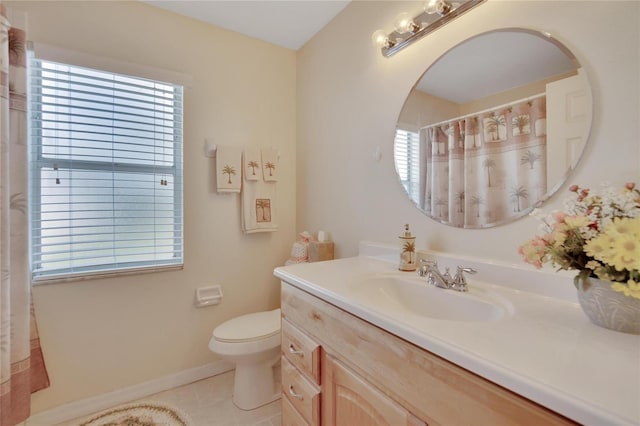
(481, 169)
(22, 369)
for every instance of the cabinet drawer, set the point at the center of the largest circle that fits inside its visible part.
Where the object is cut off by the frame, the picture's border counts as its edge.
(301, 351)
(303, 395)
(290, 416)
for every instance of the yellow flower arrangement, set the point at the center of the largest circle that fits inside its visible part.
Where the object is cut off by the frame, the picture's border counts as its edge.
(597, 235)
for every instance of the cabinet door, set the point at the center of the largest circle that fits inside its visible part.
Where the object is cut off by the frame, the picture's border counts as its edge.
(347, 399)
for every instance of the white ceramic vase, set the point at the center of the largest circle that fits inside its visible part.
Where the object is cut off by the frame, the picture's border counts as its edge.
(608, 308)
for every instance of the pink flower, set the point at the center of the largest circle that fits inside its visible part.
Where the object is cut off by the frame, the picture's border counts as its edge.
(574, 188)
(630, 185)
(533, 251)
(559, 216)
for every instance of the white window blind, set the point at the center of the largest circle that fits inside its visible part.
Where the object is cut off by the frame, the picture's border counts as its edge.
(407, 157)
(105, 172)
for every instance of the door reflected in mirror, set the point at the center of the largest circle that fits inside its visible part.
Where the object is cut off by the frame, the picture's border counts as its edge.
(493, 128)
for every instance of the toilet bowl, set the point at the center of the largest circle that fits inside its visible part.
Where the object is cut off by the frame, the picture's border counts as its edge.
(252, 342)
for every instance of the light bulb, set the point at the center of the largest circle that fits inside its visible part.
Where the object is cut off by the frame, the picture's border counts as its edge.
(431, 6)
(441, 7)
(403, 22)
(380, 39)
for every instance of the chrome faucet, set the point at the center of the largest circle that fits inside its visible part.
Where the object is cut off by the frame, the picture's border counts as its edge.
(429, 268)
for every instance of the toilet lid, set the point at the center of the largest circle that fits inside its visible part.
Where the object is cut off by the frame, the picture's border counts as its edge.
(247, 328)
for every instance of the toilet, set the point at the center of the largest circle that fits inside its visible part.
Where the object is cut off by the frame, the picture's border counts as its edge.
(252, 342)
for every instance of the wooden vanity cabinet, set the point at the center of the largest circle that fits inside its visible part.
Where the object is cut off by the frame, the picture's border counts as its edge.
(368, 376)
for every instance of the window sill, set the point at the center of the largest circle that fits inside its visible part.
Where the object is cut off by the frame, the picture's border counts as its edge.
(84, 276)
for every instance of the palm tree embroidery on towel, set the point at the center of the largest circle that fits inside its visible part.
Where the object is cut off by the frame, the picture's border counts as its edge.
(229, 170)
(269, 165)
(253, 164)
(263, 210)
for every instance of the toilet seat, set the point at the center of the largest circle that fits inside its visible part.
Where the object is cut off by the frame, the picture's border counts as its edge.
(249, 328)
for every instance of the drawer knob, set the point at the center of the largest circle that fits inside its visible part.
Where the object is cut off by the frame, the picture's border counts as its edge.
(294, 394)
(294, 351)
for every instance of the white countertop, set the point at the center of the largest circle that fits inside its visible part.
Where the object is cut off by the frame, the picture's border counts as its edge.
(545, 349)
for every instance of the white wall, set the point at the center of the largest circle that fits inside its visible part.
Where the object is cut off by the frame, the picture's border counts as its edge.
(422, 109)
(349, 97)
(102, 335)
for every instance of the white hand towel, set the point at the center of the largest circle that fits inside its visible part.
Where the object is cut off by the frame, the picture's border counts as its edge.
(259, 207)
(228, 168)
(252, 163)
(270, 164)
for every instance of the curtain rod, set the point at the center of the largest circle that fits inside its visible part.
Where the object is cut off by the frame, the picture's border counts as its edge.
(485, 110)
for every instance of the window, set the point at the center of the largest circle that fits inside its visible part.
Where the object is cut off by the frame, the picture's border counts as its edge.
(407, 155)
(105, 172)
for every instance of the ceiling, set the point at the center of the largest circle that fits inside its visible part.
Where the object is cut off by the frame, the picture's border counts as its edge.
(481, 66)
(495, 62)
(286, 23)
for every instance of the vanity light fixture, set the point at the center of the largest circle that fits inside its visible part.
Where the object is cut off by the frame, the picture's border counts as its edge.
(407, 30)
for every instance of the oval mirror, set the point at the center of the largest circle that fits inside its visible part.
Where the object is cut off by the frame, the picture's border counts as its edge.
(493, 128)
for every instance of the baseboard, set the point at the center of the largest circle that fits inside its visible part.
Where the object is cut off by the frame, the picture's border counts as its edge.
(91, 405)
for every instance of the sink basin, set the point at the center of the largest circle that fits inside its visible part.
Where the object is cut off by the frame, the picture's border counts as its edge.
(411, 294)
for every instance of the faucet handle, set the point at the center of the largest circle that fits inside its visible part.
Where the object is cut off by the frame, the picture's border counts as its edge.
(424, 266)
(459, 282)
(447, 276)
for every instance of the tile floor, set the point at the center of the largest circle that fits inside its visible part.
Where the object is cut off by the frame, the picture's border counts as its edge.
(208, 403)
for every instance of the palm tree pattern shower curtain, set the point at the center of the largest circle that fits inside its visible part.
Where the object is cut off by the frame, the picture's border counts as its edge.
(22, 369)
(482, 169)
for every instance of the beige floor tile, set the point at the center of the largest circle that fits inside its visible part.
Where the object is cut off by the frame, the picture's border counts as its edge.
(214, 389)
(208, 403)
(220, 413)
(276, 420)
(252, 417)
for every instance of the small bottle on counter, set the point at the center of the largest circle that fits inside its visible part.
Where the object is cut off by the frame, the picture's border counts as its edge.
(407, 250)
